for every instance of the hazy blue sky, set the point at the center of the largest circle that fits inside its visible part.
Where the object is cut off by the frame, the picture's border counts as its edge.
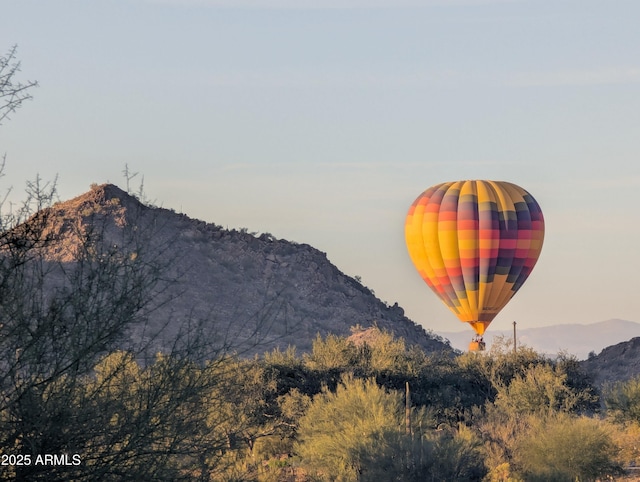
(321, 121)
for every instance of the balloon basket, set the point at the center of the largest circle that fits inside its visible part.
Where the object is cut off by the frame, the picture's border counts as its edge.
(477, 346)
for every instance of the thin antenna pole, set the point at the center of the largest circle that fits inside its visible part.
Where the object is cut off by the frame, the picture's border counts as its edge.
(514, 337)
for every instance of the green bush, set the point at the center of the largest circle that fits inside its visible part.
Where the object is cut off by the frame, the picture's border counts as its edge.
(622, 400)
(338, 427)
(562, 447)
(541, 388)
(358, 433)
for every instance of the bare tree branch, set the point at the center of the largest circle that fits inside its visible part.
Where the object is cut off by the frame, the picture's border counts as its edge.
(12, 92)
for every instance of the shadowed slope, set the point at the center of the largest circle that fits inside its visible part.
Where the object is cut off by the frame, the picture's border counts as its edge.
(255, 293)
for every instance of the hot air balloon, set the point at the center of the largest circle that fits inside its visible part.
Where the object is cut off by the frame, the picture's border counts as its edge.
(475, 243)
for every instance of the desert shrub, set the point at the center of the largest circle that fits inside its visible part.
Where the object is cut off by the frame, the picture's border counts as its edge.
(537, 397)
(627, 437)
(527, 380)
(358, 433)
(580, 382)
(339, 426)
(541, 388)
(622, 400)
(386, 352)
(432, 456)
(500, 432)
(331, 353)
(502, 473)
(563, 447)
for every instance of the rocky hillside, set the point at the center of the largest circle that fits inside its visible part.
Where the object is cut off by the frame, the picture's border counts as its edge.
(616, 362)
(255, 293)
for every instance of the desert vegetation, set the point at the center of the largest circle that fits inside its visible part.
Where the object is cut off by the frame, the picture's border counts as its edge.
(336, 413)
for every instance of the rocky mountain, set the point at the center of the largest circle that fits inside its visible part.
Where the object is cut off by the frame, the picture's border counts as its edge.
(576, 339)
(617, 362)
(255, 293)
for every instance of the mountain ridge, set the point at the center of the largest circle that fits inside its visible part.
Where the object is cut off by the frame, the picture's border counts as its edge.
(614, 363)
(288, 292)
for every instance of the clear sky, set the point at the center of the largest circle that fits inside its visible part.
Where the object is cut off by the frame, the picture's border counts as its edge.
(321, 121)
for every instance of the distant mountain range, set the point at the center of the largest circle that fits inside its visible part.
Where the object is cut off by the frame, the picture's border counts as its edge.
(576, 339)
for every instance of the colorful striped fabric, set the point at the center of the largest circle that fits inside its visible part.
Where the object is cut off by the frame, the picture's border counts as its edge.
(475, 243)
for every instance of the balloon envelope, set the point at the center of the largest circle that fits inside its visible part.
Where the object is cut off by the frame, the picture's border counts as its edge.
(475, 243)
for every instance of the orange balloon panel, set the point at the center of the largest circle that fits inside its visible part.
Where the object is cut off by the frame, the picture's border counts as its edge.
(475, 243)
